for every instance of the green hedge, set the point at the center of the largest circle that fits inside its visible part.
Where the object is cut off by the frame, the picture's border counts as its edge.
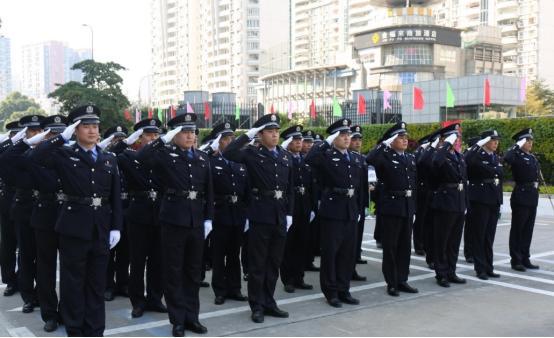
(543, 129)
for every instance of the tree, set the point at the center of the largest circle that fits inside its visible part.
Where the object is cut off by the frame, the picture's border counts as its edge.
(539, 100)
(16, 116)
(101, 86)
(16, 102)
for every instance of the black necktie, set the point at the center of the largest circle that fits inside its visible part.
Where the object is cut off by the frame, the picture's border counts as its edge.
(91, 154)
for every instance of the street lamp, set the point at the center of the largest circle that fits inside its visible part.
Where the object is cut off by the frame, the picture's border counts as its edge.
(91, 40)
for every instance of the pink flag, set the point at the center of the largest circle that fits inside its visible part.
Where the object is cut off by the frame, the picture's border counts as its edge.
(138, 115)
(189, 108)
(523, 90)
(386, 97)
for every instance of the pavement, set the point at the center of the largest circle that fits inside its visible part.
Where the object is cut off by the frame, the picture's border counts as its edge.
(517, 304)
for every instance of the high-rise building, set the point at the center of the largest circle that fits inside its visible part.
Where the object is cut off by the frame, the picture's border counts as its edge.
(5, 67)
(526, 31)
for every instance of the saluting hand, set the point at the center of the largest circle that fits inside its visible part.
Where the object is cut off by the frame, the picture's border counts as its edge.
(215, 143)
(37, 138)
(521, 142)
(69, 130)
(131, 139)
(330, 139)
(435, 143)
(254, 131)
(389, 141)
(106, 142)
(286, 143)
(20, 134)
(451, 138)
(484, 141)
(171, 134)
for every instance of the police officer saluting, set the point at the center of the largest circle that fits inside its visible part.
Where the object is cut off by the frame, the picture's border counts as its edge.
(269, 212)
(449, 202)
(525, 198)
(341, 174)
(186, 214)
(485, 174)
(89, 220)
(397, 173)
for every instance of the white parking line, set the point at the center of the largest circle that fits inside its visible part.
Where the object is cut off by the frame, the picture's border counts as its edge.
(509, 285)
(20, 332)
(549, 261)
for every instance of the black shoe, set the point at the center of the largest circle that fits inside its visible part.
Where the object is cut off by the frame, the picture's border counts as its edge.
(405, 287)
(51, 325)
(431, 266)
(470, 260)
(530, 266)
(28, 308)
(334, 302)
(482, 276)
(456, 280)
(348, 299)
(196, 327)
(518, 267)
(361, 261)
(156, 306)
(258, 316)
(289, 288)
(356, 277)
(420, 252)
(204, 284)
(312, 267)
(493, 274)
(109, 295)
(245, 277)
(178, 331)
(442, 281)
(378, 244)
(10, 290)
(239, 297)
(303, 286)
(276, 312)
(137, 312)
(392, 291)
(219, 300)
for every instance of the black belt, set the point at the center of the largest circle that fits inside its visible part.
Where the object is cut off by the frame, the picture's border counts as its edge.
(301, 190)
(276, 194)
(189, 194)
(495, 181)
(230, 199)
(458, 186)
(23, 194)
(342, 191)
(147, 194)
(401, 193)
(50, 197)
(534, 185)
(90, 201)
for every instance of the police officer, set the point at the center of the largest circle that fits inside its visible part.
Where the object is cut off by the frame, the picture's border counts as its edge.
(19, 175)
(205, 147)
(467, 226)
(397, 173)
(422, 197)
(118, 265)
(341, 174)
(356, 148)
(89, 220)
(269, 212)
(449, 202)
(485, 173)
(312, 244)
(8, 237)
(144, 193)
(186, 214)
(296, 251)
(525, 198)
(230, 195)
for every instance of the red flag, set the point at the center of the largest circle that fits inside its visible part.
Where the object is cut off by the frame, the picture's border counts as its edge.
(207, 111)
(312, 110)
(150, 113)
(487, 92)
(172, 111)
(127, 115)
(361, 105)
(272, 110)
(419, 102)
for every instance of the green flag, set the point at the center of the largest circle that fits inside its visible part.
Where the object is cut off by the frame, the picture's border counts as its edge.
(237, 112)
(450, 99)
(337, 110)
(160, 114)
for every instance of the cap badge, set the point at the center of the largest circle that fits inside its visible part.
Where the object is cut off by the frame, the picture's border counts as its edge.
(118, 129)
(34, 118)
(227, 125)
(90, 109)
(57, 119)
(152, 122)
(273, 118)
(187, 118)
(345, 122)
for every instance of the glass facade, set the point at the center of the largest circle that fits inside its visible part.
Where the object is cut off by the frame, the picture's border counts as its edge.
(411, 54)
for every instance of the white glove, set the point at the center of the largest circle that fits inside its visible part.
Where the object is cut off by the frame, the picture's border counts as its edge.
(215, 143)
(207, 227)
(254, 131)
(252, 142)
(4, 137)
(435, 143)
(389, 141)
(330, 139)
(289, 222)
(131, 139)
(37, 138)
(69, 130)
(451, 138)
(171, 134)
(521, 142)
(286, 143)
(70, 143)
(484, 141)
(205, 146)
(20, 134)
(312, 216)
(115, 236)
(246, 226)
(425, 145)
(106, 142)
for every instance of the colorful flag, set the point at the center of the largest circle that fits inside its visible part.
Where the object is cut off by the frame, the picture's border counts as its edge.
(361, 105)
(127, 115)
(450, 99)
(138, 115)
(386, 97)
(150, 113)
(237, 112)
(487, 100)
(313, 113)
(160, 114)
(172, 111)
(523, 90)
(337, 110)
(207, 111)
(419, 102)
(272, 110)
(189, 108)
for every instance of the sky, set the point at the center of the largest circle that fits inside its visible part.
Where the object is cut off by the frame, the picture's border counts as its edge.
(121, 31)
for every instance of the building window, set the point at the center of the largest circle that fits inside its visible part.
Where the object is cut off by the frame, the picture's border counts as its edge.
(408, 55)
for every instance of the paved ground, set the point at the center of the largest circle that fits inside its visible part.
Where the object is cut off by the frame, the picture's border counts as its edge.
(517, 304)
